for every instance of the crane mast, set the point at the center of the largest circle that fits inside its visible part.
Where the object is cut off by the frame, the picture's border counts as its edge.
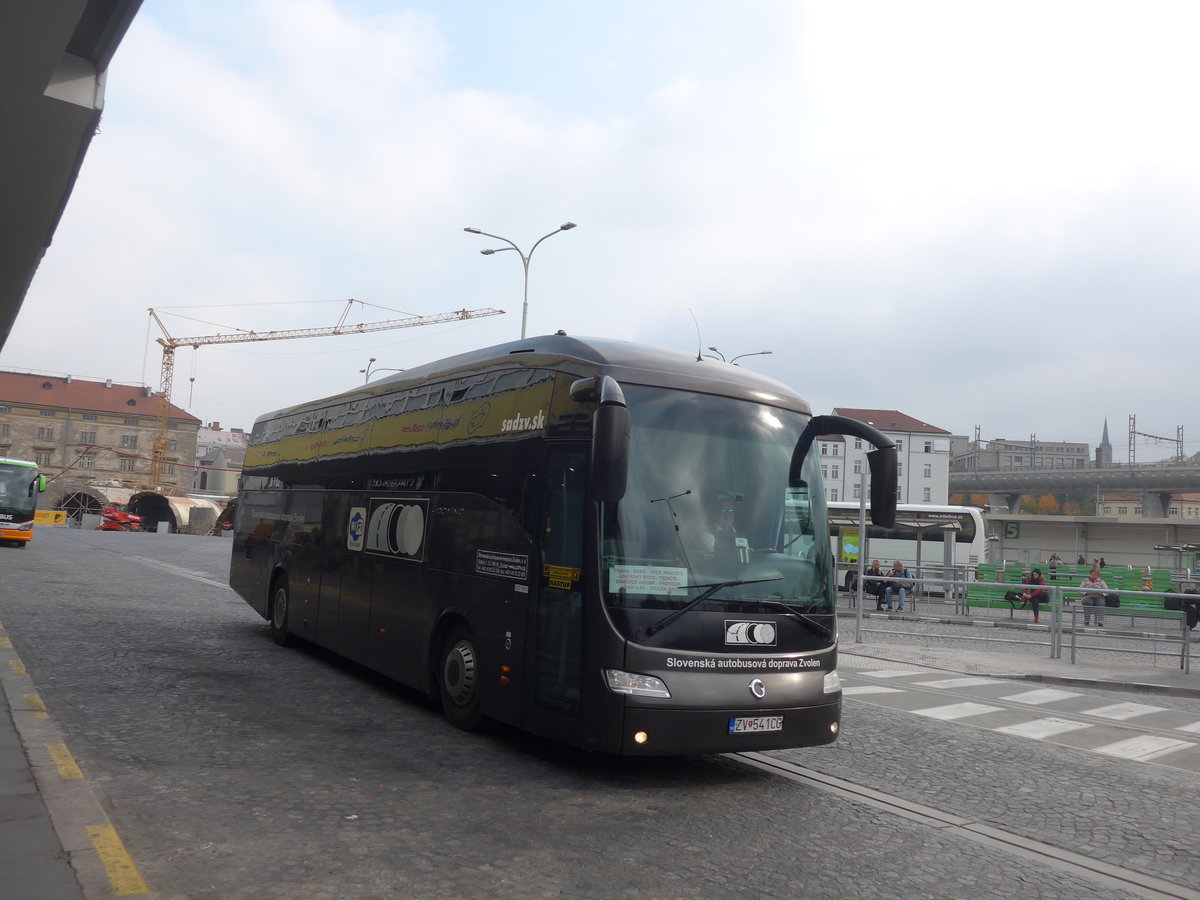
(171, 344)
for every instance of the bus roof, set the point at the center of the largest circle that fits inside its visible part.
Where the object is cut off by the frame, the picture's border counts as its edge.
(5, 461)
(627, 362)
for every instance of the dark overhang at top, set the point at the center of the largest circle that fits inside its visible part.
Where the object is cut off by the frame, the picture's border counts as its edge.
(53, 58)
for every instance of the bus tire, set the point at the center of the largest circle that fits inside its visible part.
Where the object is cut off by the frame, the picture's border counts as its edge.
(279, 612)
(458, 680)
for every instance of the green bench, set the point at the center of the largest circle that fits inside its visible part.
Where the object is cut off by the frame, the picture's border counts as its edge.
(983, 596)
(1140, 607)
(1068, 579)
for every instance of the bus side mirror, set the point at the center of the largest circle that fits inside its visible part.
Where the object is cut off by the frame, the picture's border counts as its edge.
(610, 443)
(38, 483)
(882, 463)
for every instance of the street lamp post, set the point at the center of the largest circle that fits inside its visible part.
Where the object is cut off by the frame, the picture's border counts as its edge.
(367, 371)
(565, 226)
(733, 362)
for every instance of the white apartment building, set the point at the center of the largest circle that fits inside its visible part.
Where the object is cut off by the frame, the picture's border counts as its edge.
(922, 452)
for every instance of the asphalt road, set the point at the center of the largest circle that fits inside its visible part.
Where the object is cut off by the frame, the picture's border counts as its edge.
(233, 768)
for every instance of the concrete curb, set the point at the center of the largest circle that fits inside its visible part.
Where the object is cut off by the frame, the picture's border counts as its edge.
(68, 797)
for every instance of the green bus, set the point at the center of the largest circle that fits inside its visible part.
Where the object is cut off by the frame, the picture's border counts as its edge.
(20, 484)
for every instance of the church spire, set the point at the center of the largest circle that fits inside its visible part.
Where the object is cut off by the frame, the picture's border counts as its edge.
(1104, 449)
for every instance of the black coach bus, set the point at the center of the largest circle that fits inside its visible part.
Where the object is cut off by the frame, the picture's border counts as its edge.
(621, 548)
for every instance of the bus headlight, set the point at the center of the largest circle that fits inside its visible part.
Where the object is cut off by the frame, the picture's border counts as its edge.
(833, 682)
(25, 526)
(633, 683)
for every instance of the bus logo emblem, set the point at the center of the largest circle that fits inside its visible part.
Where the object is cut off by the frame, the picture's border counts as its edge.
(397, 528)
(760, 633)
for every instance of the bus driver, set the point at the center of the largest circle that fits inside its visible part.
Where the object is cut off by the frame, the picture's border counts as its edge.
(723, 539)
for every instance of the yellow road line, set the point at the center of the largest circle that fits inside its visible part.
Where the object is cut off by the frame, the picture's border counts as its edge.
(18, 667)
(5, 644)
(67, 769)
(123, 875)
(35, 705)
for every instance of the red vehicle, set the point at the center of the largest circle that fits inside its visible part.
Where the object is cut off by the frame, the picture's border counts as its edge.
(117, 519)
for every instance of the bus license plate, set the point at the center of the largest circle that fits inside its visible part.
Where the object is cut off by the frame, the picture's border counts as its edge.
(753, 725)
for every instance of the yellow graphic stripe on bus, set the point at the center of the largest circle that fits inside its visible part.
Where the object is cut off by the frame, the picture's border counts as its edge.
(516, 413)
(123, 875)
(67, 769)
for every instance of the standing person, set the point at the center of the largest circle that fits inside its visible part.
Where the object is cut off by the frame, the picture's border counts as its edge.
(899, 581)
(1094, 589)
(1035, 593)
(1102, 562)
(1055, 559)
(1081, 561)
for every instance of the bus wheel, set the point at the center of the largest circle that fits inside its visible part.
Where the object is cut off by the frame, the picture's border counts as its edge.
(459, 680)
(279, 612)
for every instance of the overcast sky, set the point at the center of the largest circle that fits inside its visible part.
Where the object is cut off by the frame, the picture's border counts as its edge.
(981, 214)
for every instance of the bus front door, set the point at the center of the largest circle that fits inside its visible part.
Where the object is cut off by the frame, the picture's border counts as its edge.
(557, 612)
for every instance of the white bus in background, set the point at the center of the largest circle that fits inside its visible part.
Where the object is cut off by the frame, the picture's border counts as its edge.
(932, 541)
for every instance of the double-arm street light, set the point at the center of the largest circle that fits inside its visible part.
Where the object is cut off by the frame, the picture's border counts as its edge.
(367, 371)
(565, 226)
(733, 361)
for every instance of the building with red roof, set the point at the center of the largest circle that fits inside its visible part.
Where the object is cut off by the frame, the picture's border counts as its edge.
(85, 433)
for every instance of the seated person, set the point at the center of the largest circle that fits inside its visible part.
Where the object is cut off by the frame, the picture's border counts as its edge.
(1035, 592)
(1094, 589)
(723, 539)
(874, 588)
(899, 581)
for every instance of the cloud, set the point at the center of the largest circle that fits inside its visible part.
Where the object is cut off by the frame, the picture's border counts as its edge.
(978, 214)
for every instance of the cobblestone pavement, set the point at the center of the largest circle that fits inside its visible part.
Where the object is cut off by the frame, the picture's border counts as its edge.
(233, 768)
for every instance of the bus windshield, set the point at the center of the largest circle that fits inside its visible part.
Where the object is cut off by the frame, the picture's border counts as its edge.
(706, 515)
(16, 495)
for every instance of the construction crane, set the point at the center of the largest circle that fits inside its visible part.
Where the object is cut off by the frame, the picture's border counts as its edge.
(171, 344)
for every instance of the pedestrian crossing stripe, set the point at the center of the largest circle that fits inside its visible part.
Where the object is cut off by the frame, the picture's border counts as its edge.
(1143, 747)
(1040, 729)
(1040, 696)
(953, 683)
(957, 711)
(1122, 711)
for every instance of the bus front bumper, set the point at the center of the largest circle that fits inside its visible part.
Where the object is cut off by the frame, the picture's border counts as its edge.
(656, 732)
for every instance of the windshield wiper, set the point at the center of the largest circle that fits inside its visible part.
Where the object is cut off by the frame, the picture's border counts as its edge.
(710, 589)
(812, 623)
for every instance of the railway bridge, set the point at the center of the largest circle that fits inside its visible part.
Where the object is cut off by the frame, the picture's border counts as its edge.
(1156, 483)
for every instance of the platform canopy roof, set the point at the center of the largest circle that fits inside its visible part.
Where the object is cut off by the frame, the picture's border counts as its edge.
(53, 59)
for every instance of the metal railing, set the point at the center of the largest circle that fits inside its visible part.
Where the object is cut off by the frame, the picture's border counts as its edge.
(1057, 609)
